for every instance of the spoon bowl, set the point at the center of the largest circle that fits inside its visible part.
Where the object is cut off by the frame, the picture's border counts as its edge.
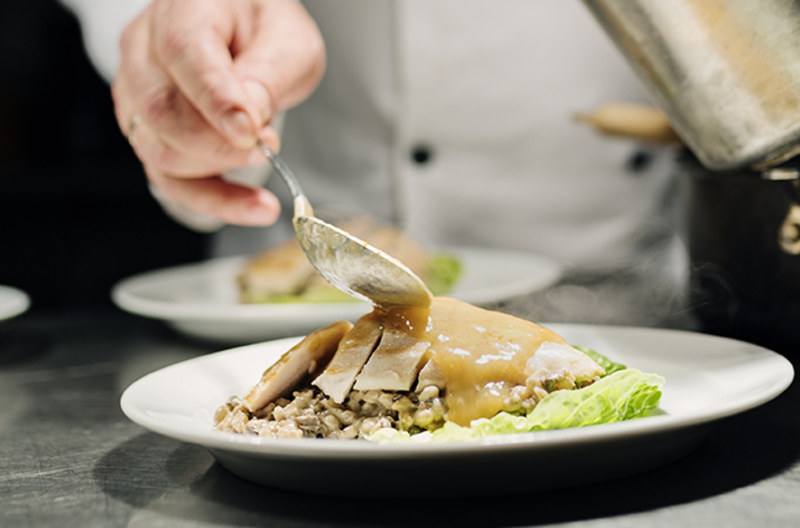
(347, 262)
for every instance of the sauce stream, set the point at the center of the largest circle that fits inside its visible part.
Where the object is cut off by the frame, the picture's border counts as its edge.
(481, 353)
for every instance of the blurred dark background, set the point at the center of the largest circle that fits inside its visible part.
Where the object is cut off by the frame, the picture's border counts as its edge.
(75, 212)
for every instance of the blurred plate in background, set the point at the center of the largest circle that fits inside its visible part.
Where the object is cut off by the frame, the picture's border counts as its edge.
(201, 300)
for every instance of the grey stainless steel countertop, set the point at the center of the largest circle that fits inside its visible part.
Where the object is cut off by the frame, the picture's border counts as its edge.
(69, 457)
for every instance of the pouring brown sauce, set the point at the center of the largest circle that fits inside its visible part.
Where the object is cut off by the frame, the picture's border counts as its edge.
(481, 353)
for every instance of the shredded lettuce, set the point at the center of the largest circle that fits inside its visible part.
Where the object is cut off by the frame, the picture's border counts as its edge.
(623, 395)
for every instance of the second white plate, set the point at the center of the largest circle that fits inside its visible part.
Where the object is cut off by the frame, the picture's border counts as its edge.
(200, 299)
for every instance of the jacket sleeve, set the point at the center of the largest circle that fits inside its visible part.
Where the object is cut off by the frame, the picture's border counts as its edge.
(102, 22)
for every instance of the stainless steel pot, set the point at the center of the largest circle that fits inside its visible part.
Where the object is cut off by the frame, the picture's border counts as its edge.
(726, 72)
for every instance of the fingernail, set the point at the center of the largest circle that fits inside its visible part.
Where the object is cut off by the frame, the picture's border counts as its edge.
(237, 126)
(259, 97)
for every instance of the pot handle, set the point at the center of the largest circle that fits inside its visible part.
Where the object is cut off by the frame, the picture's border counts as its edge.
(789, 233)
(630, 120)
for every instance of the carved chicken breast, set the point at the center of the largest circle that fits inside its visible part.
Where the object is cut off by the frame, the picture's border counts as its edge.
(411, 369)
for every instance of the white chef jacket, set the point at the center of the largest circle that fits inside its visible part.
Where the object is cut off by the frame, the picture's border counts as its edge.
(454, 119)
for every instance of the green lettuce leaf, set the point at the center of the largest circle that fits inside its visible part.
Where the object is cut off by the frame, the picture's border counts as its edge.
(609, 366)
(623, 395)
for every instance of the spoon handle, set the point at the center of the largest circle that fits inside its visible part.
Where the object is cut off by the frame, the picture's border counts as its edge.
(302, 207)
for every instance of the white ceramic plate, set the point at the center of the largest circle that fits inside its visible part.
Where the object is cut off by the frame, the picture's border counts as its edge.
(707, 378)
(12, 302)
(201, 299)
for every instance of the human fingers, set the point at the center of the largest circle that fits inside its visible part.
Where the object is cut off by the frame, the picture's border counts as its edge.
(194, 161)
(173, 137)
(213, 196)
(192, 40)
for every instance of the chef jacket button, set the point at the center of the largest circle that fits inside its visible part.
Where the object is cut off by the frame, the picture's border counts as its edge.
(640, 161)
(421, 154)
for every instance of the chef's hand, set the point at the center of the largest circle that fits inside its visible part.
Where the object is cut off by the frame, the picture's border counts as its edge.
(199, 80)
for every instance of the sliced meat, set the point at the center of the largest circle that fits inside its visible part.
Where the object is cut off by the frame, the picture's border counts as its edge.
(395, 363)
(431, 374)
(353, 351)
(282, 270)
(307, 357)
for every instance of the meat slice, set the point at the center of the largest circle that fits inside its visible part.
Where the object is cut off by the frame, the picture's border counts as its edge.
(353, 351)
(307, 357)
(282, 270)
(395, 363)
(431, 374)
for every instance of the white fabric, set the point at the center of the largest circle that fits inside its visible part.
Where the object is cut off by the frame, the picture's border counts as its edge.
(490, 87)
(102, 22)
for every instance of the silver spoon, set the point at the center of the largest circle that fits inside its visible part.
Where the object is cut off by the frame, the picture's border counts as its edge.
(350, 264)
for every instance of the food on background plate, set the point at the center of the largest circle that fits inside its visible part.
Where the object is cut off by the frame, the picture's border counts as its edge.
(445, 372)
(283, 274)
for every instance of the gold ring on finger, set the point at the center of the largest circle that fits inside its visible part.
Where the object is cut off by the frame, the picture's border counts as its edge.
(133, 125)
